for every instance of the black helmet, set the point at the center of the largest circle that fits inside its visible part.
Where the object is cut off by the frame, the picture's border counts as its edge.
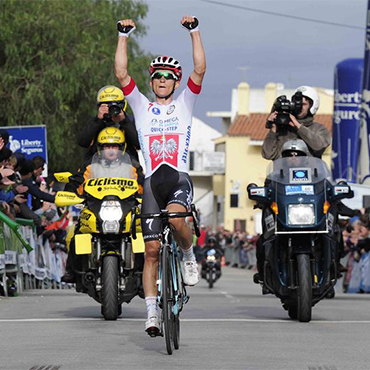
(212, 239)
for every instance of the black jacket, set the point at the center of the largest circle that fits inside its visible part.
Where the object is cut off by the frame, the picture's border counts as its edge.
(87, 138)
(37, 194)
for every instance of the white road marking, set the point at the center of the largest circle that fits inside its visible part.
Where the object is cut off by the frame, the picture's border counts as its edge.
(230, 297)
(279, 321)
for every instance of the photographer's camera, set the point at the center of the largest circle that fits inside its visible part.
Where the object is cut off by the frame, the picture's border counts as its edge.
(284, 107)
(114, 109)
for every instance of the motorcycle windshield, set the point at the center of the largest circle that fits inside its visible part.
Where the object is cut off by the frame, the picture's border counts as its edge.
(298, 170)
(300, 193)
(111, 162)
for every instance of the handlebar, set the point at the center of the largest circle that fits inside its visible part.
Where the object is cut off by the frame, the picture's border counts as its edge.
(165, 215)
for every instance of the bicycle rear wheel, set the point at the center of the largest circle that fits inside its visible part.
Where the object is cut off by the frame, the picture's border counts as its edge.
(167, 299)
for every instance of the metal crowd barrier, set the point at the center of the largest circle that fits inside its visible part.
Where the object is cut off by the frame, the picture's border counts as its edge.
(26, 262)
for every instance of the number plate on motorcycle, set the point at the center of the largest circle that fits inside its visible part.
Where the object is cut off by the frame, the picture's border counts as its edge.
(299, 189)
(83, 244)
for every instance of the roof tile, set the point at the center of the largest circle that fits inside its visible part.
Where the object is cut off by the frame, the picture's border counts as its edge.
(254, 125)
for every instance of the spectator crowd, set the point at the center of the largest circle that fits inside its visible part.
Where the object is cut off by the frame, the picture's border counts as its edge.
(239, 248)
(26, 194)
(356, 238)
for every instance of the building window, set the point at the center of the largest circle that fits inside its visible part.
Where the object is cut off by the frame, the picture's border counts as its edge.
(366, 201)
(191, 161)
(240, 225)
(234, 200)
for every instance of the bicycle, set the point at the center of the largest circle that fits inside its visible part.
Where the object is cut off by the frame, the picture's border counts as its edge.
(171, 291)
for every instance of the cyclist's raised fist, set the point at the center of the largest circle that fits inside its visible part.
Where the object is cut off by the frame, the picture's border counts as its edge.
(190, 22)
(125, 27)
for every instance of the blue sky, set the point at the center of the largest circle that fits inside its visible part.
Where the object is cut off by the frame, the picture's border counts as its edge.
(274, 48)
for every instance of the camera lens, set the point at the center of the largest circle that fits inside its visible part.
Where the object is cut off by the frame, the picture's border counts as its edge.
(114, 110)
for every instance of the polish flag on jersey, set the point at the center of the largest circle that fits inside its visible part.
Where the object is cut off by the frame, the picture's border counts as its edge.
(163, 149)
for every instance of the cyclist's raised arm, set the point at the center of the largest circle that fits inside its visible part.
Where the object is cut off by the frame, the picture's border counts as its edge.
(199, 57)
(125, 27)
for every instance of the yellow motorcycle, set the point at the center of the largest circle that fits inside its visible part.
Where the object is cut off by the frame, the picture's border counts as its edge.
(108, 262)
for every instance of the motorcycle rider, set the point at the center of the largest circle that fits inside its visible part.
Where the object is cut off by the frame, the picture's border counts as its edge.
(164, 129)
(110, 143)
(316, 136)
(212, 244)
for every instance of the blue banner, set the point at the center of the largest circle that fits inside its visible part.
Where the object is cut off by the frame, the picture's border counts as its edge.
(29, 140)
(346, 118)
(364, 163)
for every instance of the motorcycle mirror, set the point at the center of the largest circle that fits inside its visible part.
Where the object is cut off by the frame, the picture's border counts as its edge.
(342, 190)
(256, 192)
(62, 176)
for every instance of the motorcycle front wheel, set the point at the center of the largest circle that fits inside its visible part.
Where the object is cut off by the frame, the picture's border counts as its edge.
(110, 288)
(210, 278)
(304, 288)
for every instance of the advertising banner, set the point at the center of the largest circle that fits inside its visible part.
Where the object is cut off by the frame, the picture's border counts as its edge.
(364, 163)
(29, 140)
(346, 118)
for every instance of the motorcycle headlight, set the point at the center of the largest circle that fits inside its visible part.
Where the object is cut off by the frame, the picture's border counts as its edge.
(111, 214)
(301, 214)
(211, 258)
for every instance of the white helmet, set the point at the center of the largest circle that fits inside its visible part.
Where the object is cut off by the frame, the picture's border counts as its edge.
(312, 94)
(166, 62)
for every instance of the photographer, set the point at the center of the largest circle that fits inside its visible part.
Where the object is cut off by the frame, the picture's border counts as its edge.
(295, 120)
(111, 112)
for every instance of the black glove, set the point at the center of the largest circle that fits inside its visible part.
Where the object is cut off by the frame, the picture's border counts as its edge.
(124, 30)
(191, 26)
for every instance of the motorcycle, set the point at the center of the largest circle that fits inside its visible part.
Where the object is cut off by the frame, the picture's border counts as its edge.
(300, 237)
(211, 267)
(108, 262)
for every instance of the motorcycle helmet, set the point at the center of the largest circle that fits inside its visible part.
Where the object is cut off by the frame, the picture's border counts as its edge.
(212, 240)
(310, 93)
(295, 147)
(111, 94)
(113, 136)
(166, 62)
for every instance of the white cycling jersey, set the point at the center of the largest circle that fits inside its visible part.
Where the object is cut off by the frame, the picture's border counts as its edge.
(164, 130)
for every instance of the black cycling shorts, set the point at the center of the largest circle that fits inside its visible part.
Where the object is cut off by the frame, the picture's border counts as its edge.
(165, 186)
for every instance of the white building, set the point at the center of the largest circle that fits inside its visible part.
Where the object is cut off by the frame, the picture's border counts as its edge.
(204, 162)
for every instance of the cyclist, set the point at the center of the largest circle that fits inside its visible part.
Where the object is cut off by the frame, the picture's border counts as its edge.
(164, 129)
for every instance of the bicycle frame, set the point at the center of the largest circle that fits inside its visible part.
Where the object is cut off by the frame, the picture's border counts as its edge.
(180, 293)
(170, 301)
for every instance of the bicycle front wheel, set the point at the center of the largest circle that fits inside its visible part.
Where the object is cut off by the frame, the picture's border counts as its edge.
(176, 318)
(167, 298)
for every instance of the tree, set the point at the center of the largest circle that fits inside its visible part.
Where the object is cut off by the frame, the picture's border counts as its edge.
(54, 57)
